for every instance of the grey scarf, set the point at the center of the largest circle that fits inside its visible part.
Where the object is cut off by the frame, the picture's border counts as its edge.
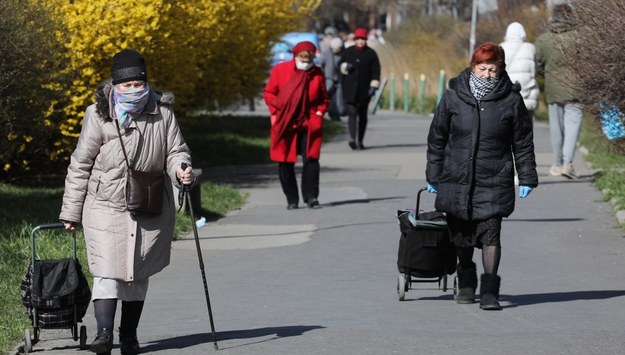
(481, 86)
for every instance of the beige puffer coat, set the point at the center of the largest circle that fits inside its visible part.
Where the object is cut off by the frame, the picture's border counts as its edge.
(120, 245)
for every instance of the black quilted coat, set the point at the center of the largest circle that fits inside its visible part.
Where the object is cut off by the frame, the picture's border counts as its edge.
(366, 68)
(473, 147)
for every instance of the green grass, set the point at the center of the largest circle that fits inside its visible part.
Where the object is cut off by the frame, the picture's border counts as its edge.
(235, 140)
(215, 140)
(607, 157)
(227, 140)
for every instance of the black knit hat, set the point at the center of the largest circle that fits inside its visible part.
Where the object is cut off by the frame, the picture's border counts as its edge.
(128, 65)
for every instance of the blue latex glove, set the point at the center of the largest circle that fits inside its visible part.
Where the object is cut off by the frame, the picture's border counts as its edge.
(524, 191)
(432, 188)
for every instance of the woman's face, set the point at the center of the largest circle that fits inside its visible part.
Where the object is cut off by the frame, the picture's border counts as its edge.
(305, 57)
(129, 85)
(360, 42)
(486, 70)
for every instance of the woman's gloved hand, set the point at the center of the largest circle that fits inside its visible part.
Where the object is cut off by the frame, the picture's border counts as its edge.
(432, 188)
(524, 191)
(346, 68)
(372, 91)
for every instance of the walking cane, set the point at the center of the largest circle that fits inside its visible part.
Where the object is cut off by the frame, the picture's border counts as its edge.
(186, 189)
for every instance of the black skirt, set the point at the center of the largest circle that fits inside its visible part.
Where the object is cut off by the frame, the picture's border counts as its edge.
(466, 234)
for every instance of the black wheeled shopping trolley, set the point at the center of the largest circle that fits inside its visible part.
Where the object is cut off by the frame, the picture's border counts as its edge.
(55, 293)
(425, 250)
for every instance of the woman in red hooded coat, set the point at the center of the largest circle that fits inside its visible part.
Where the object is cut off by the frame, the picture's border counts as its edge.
(297, 100)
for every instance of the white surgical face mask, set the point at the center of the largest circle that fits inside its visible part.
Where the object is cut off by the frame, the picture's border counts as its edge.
(302, 65)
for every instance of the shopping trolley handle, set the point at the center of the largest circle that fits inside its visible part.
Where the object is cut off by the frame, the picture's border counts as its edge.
(49, 226)
(419, 200)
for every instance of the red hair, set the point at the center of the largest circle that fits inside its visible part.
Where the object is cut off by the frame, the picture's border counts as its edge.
(489, 53)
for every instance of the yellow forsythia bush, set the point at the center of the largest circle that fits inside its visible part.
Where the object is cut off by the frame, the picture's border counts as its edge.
(209, 53)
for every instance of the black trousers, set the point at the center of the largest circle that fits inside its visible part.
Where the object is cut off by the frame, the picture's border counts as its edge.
(357, 121)
(310, 174)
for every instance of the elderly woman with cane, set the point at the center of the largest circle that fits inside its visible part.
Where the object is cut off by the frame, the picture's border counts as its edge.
(130, 130)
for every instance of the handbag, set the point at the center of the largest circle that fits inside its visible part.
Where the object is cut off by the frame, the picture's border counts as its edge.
(144, 190)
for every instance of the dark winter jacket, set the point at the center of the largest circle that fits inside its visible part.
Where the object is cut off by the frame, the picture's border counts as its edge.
(473, 147)
(364, 74)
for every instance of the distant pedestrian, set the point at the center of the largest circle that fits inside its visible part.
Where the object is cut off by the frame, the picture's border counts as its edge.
(480, 132)
(360, 69)
(329, 33)
(124, 249)
(520, 64)
(329, 64)
(565, 109)
(297, 101)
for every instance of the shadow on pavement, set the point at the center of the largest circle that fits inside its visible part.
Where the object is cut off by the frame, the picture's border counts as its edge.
(557, 220)
(512, 301)
(242, 176)
(186, 341)
(274, 234)
(385, 146)
(556, 297)
(361, 200)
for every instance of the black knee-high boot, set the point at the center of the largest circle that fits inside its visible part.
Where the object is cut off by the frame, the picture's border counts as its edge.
(467, 284)
(489, 292)
(104, 311)
(131, 313)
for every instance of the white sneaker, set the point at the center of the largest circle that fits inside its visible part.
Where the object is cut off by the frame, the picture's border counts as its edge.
(568, 171)
(555, 170)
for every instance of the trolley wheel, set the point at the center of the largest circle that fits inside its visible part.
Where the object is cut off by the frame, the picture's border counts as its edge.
(83, 337)
(455, 287)
(28, 344)
(75, 331)
(445, 283)
(401, 286)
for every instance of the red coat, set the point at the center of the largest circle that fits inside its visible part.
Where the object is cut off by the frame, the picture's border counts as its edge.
(295, 113)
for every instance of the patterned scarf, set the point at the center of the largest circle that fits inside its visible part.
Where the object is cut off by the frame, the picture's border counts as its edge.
(482, 86)
(130, 102)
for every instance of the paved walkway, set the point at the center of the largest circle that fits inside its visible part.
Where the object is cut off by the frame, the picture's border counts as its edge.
(323, 281)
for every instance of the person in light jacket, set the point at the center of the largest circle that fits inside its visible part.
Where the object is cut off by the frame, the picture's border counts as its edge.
(297, 100)
(520, 64)
(124, 249)
(329, 64)
(480, 132)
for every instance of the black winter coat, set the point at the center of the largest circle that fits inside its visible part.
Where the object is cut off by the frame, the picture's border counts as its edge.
(366, 67)
(473, 147)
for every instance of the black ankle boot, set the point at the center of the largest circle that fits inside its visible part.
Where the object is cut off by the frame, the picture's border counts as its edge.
(467, 284)
(128, 343)
(489, 292)
(103, 342)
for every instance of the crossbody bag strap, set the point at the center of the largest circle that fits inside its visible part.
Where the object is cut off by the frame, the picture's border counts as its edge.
(122, 143)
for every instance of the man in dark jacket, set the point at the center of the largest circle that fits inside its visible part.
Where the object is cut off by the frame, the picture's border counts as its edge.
(480, 132)
(360, 69)
(565, 112)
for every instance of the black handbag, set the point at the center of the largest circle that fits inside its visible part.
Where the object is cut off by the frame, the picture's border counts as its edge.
(144, 190)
